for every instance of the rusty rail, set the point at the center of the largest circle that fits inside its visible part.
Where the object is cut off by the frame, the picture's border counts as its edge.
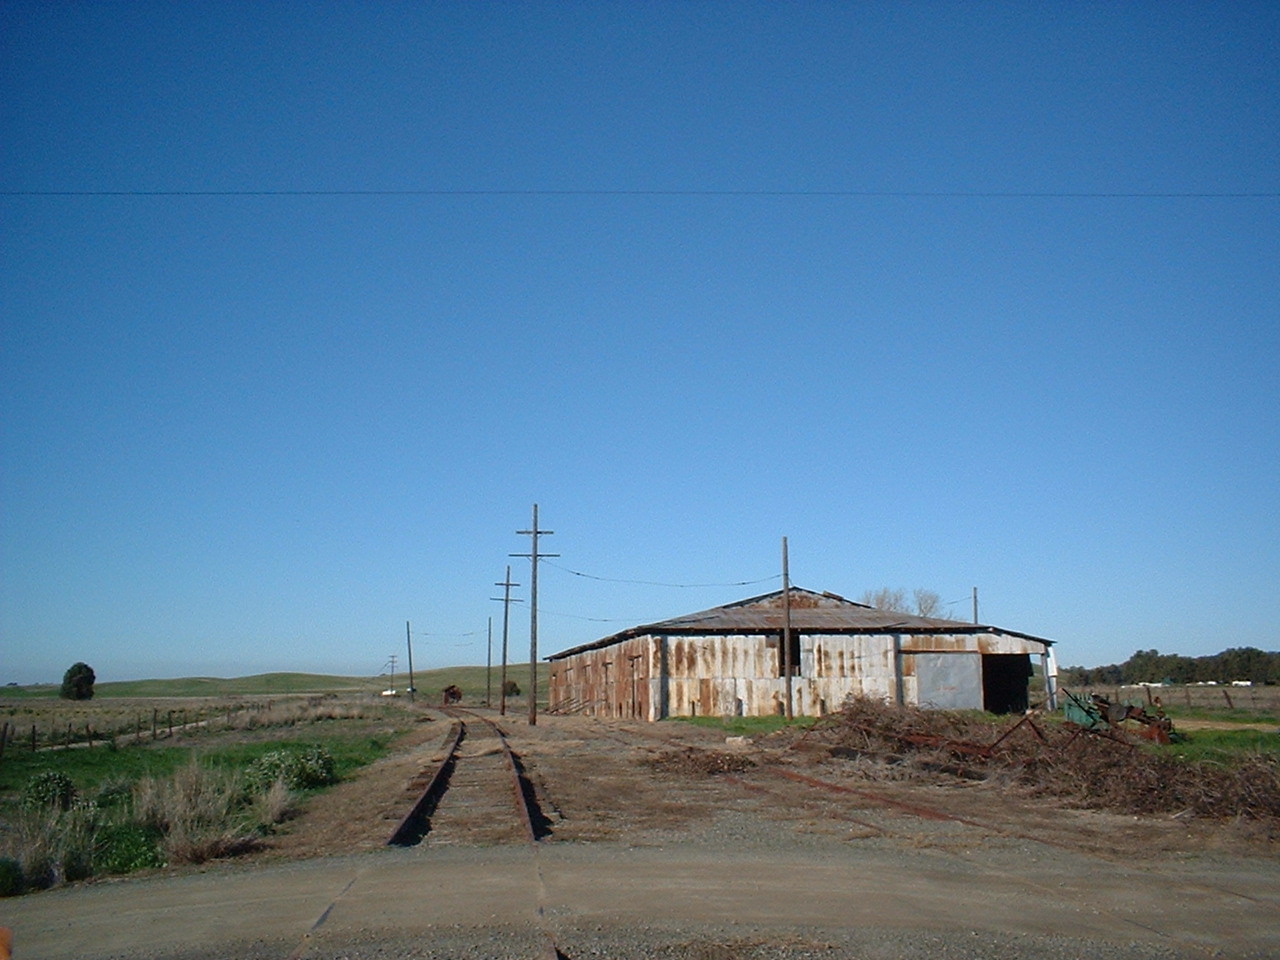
(418, 821)
(527, 807)
(531, 817)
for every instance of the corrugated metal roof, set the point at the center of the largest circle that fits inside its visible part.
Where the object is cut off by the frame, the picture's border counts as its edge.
(810, 613)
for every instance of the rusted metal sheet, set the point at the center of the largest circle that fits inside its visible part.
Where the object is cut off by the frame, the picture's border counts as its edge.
(811, 613)
(990, 642)
(678, 671)
(610, 682)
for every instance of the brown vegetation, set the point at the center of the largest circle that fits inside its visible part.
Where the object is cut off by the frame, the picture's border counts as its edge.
(1052, 759)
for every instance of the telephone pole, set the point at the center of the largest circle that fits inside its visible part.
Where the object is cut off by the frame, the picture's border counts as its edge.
(488, 667)
(534, 557)
(408, 639)
(975, 605)
(786, 626)
(507, 600)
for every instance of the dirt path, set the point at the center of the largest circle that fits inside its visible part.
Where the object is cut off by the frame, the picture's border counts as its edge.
(653, 856)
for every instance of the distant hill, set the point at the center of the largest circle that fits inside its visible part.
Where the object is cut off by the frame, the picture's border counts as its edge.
(429, 683)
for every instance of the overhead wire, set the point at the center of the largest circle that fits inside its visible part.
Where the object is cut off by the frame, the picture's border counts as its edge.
(658, 583)
(870, 194)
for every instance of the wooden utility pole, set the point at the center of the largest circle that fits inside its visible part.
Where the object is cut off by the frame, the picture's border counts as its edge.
(534, 557)
(507, 600)
(786, 626)
(408, 639)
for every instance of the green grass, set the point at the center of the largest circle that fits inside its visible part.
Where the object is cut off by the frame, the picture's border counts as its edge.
(352, 744)
(90, 769)
(1225, 746)
(1221, 715)
(745, 726)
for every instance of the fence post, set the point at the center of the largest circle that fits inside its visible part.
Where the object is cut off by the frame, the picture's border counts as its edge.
(1227, 697)
(33, 738)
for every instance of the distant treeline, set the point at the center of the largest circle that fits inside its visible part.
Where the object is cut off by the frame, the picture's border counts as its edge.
(1152, 666)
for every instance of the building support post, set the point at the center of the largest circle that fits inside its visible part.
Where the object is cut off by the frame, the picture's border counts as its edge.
(899, 694)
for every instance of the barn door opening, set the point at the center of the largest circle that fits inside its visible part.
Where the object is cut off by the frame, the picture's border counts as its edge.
(1004, 682)
(795, 654)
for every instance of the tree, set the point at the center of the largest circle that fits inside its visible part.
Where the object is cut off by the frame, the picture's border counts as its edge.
(77, 682)
(894, 601)
(927, 603)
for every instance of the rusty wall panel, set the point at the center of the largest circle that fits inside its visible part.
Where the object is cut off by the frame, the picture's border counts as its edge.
(609, 682)
(971, 643)
(727, 676)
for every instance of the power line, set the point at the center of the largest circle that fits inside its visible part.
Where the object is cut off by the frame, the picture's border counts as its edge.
(576, 616)
(658, 583)
(799, 194)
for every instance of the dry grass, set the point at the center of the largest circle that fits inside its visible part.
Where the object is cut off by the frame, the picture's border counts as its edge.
(52, 845)
(196, 813)
(57, 723)
(1048, 759)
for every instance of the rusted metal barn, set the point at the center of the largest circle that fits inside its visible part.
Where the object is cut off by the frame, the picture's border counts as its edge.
(729, 661)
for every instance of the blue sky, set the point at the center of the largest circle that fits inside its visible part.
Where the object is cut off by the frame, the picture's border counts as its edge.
(950, 295)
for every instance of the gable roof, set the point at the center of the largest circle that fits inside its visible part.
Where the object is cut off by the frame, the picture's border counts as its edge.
(811, 613)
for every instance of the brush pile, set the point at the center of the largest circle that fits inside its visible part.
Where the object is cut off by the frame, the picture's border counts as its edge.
(694, 761)
(1051, 759)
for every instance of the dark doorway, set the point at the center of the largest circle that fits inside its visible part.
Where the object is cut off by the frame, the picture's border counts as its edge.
(1004, 682)
(795, 654)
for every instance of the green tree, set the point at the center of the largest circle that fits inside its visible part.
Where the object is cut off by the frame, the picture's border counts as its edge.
(77, 682)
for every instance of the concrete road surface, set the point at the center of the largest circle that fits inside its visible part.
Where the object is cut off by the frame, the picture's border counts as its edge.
(1192, 908)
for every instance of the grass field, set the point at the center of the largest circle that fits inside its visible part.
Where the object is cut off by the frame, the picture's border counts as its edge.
(429, 683)
(147, 796)
(1246, 704)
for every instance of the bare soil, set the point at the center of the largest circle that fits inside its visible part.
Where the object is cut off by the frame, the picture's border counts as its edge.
(650, 784)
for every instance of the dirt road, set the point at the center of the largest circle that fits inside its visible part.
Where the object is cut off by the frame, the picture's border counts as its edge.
(649, 861)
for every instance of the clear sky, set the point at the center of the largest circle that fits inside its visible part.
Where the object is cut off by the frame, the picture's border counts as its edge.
(305, 305)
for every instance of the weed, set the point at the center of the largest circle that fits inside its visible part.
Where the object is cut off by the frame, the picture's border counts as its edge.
(126, 847)
(313, 766)
(49, 789)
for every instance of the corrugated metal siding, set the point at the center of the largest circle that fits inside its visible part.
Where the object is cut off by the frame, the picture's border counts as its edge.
(611, 682)
(649, 677)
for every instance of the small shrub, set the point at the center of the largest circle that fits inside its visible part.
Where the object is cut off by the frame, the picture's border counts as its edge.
(274, 805)
(115, 792)
(312, 767)
(125, 847)
(54, 845)
(49, 789)
(193, 812)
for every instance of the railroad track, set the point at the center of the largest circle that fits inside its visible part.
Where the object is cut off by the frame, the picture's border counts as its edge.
(478, 793)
